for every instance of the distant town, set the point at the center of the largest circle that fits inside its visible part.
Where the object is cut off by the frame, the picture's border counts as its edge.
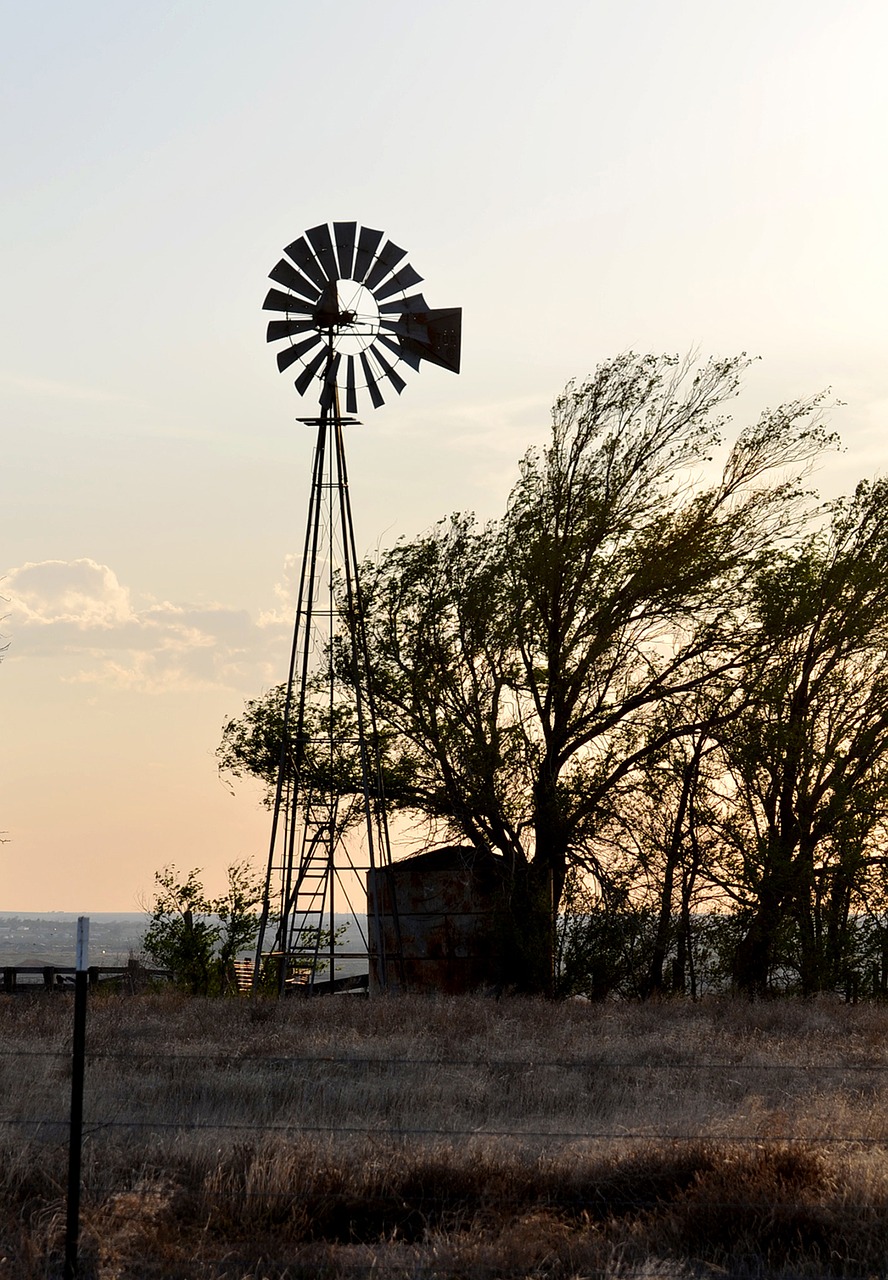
(51, 939)
(113, 938)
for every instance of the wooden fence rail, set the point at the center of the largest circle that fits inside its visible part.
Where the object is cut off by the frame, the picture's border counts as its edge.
(61, 977)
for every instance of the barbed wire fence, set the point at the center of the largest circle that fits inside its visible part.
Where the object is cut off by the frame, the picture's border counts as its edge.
(99, 1131)
(165, 1098)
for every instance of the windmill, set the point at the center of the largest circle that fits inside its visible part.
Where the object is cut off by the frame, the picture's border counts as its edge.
(352, 322)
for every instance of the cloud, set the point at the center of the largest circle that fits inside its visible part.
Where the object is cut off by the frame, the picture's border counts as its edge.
(79, 592)
(285, 593)
(78, 613)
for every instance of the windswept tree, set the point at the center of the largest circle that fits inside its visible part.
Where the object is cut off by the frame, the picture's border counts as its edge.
(808, 756)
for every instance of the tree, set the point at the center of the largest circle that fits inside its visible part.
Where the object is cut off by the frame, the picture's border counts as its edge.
(198, 938)
(520, 664)
(808, 756)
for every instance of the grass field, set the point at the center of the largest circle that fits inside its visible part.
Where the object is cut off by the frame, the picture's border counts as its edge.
(449, 1138)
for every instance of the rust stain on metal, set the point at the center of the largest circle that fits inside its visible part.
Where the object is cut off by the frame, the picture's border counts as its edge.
(446, 912)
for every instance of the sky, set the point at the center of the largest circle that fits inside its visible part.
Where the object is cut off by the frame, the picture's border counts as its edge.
(581, 178)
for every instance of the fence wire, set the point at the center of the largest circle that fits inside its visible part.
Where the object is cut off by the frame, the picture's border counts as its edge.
(144, 1105)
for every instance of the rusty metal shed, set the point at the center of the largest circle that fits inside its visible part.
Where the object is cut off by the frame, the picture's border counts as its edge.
(446, 921)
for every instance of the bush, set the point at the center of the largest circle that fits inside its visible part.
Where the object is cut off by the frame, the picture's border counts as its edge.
(603, 948)
(198, 938)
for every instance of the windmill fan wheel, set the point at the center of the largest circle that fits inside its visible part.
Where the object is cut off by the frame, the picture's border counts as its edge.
(350, 319)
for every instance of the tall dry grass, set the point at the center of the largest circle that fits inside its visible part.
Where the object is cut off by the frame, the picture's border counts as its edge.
(439, 1138)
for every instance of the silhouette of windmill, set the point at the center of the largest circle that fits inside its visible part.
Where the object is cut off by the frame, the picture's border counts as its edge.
(350, 324)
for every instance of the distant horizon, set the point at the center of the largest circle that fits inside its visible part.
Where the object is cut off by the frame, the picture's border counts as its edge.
(8, 913)
(108, 915)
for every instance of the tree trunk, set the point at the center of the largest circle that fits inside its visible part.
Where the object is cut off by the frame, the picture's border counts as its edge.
(782, 887)
(655, 982)
(836, 926)
(535, 893)
(527, 930)
(665, 923)
(682, 824)
(752, 958)
(755, 951)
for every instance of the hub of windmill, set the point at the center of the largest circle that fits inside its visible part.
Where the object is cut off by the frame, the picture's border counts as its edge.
(348, 312)
(333, 318)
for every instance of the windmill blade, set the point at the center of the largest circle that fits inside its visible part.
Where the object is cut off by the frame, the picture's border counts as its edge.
(389, 257)
(407, 327)
(287, 275)
(370, 378)
(445, 337)
(416, 302)
(290, 354)
(304, 380)
(443, 345)
(277, 301)
(351, 398)
(328, 389)
(301, 253)
(323, 247)
(394, 378)
(409, 357)
(401, 281)
(368, 242)
(344, 234)
(278, 329)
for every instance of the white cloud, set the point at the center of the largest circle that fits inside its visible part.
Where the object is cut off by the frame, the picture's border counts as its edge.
(78, 613)
(285, 593)
(74, 591)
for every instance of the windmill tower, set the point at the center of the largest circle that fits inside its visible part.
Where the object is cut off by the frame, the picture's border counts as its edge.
(350, 325)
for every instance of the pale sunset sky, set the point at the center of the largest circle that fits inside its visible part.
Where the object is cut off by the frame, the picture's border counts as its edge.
(581, 178)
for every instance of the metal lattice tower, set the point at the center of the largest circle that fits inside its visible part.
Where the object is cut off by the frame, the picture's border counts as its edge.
(349, 323)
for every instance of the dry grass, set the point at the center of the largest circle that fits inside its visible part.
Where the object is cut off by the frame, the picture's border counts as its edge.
(450, 1138)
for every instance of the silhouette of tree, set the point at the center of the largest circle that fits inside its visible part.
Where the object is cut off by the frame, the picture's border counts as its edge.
(808, 755)
(520, 664)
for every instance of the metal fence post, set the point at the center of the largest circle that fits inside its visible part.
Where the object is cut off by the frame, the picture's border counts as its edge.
(72, 1229)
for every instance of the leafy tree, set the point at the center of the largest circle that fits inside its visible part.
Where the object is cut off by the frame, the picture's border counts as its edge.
(198, 938)
(808, 757)
(776, 806)
(520, 664)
